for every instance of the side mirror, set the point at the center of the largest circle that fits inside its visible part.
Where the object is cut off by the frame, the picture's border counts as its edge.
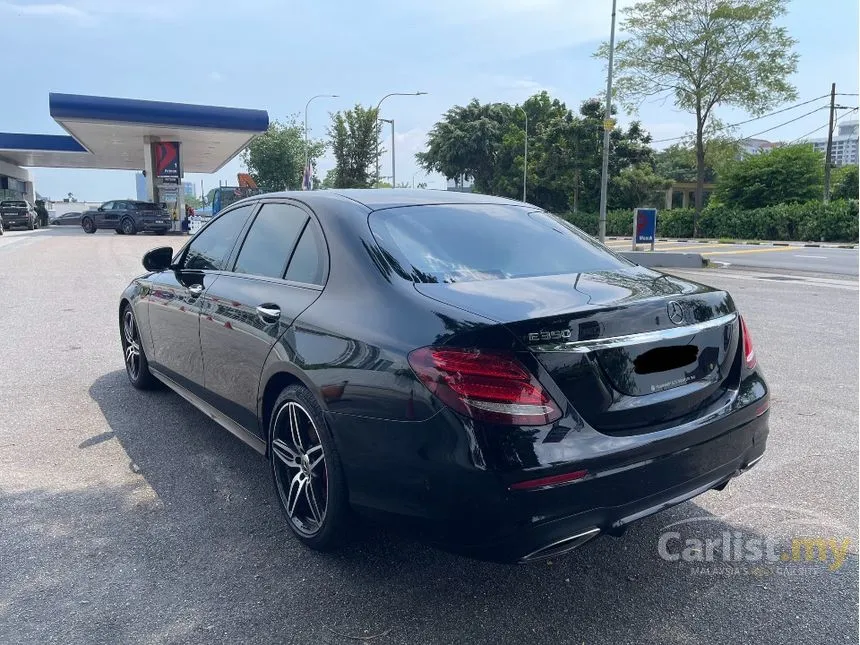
(101, 208)
(158, 259)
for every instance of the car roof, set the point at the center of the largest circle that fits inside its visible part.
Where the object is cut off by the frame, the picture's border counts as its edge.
(378, 198)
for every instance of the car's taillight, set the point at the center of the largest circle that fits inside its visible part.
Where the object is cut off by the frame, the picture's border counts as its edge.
(490, 386)
(749, 351)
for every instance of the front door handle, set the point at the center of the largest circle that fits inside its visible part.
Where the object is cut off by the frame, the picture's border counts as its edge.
(269, 312)
(195, 289)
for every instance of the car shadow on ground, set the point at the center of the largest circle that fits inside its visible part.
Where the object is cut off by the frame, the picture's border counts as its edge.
(194, 548)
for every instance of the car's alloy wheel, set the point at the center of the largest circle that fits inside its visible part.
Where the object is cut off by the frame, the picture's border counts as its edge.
(128, 227)
(136, 365)
(300, 468)
(306, 470)
(88, 225)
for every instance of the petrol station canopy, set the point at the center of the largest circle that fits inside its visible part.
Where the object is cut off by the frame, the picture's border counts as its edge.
(113, 133)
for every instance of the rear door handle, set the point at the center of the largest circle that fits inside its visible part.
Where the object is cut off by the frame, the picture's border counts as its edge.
(195, 289)
(269, 312)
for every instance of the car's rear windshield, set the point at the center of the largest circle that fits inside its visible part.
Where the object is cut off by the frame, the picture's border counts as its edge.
(461, 243)
(14, 204)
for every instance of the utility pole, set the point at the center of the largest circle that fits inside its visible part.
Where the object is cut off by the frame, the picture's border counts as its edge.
(827, 162)
(607, 128)
(379, 105)
(307, 153)
(393, 172)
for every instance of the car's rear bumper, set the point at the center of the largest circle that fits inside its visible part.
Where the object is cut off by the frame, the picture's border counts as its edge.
(609, 501)
(15, 221)
(405, 471)
(155, 226)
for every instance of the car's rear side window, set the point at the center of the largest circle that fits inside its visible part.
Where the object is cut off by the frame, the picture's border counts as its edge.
(270, 240)
(308, 263)
(461, 243)
(210, 248)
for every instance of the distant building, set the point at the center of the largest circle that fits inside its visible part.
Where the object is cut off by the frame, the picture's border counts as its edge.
(754, 146)
(845, 144)
(140, 187)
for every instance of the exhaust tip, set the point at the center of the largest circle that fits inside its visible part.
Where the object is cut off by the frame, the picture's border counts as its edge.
(561, 546)
(752, 463)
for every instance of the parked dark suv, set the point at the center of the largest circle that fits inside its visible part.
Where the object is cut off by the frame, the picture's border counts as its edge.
(127, 217)
(18, 212)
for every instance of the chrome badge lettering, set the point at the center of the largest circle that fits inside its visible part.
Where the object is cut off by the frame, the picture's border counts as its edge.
(558, 334)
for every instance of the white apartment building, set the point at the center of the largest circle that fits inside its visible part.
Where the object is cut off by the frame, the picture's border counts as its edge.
(845, 144)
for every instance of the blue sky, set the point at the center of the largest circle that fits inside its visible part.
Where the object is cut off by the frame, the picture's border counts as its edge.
(275, 54)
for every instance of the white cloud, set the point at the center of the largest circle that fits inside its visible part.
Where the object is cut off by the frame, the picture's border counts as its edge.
(520, 86)
(92, 12)
(522, 27)
(54, 10)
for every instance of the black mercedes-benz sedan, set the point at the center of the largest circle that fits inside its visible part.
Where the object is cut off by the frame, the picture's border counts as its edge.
(472, 366)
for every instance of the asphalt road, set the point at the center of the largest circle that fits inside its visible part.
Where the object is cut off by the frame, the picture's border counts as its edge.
(795, 257)
(129, 517)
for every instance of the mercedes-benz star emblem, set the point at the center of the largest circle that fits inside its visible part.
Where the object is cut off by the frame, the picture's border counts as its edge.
(676, 311)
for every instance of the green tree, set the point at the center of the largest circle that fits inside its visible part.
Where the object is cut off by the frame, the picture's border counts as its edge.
(193, 201)
(467, 142)
(485, 142)
(276, 158)
(678, 161)
(354, 135)
(329, 180)
(784, 175)
(703, 54)
(636, 186)
(845, 183)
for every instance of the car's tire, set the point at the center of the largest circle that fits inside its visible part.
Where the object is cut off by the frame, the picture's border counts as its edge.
(136, 365)
(161, 232)
(306, 471)
(88, 225)
(128, 227)
(119, 231)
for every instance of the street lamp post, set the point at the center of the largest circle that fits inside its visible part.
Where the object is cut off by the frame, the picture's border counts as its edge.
(378, 105)
(307, 152)
(393, 172)
(607, 128)
(526, 153)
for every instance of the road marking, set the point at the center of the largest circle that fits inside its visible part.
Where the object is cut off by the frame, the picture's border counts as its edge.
(764, 250)
(659, 248)
(702, 275)
(817, 257)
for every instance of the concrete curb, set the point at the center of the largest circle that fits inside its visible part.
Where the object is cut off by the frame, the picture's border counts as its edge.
(666, 259)
(823, 245)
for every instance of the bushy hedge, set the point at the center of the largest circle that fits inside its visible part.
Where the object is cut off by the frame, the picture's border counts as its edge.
(813, 221)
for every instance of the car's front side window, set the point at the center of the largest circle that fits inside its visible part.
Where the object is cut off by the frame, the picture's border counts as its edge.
(210, 248)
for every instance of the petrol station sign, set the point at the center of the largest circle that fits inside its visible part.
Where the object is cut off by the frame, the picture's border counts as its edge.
(644, 226)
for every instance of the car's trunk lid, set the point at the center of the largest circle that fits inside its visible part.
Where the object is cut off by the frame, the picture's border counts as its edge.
(631, 350)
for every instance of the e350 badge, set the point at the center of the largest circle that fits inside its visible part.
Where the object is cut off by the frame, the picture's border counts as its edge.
(558, 334)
